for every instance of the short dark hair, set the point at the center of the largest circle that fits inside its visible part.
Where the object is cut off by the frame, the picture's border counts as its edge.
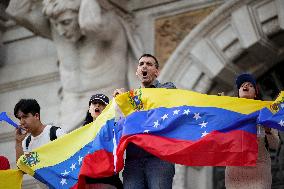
(149, 55)
(27, 106)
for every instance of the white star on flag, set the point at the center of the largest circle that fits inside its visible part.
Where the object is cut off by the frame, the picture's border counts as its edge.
(196, 116)
(63, 181)
(164, 117)
(80, 160)
(176, 112)
(281, 123)
(282, 105)
(186, 112)
(146, 131)
(73, 166)
(65, 173)
(156, 124)
(204, 134)
(203, 124)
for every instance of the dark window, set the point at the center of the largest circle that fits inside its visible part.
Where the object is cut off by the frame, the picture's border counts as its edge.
(272, 82)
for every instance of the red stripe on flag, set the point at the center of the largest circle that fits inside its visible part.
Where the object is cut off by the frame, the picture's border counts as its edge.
(96, 165)
(235, 148)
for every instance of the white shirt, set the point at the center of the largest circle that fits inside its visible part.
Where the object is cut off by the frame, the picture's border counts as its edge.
(41, 139)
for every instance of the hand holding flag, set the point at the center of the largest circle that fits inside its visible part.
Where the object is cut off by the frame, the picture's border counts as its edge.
(176, 125)
(273, 116)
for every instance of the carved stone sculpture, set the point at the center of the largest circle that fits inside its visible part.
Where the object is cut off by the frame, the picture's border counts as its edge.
(96, 48)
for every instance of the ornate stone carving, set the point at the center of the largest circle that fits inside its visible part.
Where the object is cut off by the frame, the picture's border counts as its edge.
(37, 80)
(92, 41)
(240, 36)
(171, 30)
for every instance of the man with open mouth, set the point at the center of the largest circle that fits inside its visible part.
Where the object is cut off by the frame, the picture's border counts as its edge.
(143, 170)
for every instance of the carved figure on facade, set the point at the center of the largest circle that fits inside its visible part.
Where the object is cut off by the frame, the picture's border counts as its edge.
(96, 47)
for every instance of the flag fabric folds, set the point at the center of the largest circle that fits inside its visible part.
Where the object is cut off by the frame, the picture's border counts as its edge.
(176, 125)
(194, 139)
(190, 128)
(11, 179)
(273, 116)
(57, 164)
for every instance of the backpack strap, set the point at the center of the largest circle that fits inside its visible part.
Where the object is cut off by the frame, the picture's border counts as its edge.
(52, 133)
(28, 141)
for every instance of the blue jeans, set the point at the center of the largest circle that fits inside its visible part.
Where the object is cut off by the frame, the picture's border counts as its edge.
(148, 173)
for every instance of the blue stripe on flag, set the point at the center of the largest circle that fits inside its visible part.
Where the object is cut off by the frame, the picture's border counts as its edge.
(191, 122)
(65, 174)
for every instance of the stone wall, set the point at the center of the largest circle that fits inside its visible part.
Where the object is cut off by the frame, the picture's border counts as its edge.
(200, 49)
(29, 70)
(30, 67)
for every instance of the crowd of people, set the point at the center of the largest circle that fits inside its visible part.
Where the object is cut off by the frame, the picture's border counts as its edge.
(143, 170)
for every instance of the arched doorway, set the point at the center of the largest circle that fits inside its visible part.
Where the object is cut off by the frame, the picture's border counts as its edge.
(239, 36)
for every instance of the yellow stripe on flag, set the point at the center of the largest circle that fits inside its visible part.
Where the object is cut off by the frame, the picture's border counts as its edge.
(274, 107)
(11, 179)
(64, 147)
(155, 98)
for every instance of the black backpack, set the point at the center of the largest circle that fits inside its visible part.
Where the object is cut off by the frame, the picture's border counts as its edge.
(52, 135)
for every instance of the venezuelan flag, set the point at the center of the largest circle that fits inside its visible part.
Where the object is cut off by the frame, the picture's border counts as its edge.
(190, 128)
(176, 125)
(57, 164)
(11, 179)
(273, 116)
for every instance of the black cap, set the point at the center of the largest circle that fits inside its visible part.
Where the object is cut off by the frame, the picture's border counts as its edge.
(245, 78)
(99, 98)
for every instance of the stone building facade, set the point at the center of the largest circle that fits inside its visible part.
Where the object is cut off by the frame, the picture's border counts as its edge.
(202, 46)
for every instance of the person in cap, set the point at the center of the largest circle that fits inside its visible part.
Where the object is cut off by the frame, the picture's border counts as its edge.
(97, 104)
(142, 169)
(246, 85)
(259, 176)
